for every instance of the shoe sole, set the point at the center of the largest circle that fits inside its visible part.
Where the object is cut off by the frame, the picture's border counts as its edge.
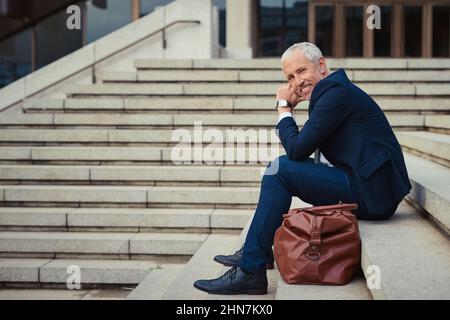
(249, 292)
(269, 266)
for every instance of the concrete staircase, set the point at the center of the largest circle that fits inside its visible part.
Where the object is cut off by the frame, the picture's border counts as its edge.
(88, 180)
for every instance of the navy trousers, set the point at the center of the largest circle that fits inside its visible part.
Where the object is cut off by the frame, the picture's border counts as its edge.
(316, 184)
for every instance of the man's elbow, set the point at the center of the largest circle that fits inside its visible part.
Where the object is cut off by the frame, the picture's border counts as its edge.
(294, 155)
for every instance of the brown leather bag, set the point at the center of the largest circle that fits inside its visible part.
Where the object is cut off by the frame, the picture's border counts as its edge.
(318, 245)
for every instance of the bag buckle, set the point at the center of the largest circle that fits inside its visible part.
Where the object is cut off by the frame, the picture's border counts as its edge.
(313, 255)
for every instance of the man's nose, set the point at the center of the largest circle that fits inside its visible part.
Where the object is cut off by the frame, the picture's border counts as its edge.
(299, 81)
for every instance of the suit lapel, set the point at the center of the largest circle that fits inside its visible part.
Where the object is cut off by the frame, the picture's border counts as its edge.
(323, 85)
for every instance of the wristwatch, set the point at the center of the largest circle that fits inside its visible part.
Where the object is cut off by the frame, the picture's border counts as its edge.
(282, 103)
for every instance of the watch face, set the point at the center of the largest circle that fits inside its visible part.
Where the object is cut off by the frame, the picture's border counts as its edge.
(282, 103)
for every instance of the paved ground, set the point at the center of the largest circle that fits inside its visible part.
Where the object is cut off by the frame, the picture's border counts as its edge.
(61, 294)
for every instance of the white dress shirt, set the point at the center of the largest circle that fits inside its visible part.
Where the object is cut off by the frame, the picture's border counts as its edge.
(284, 115)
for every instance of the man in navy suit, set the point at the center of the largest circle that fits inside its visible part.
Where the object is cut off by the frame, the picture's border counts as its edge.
(353, 134)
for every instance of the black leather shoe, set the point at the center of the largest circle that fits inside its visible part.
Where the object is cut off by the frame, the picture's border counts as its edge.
(235, 281)
(234, 259)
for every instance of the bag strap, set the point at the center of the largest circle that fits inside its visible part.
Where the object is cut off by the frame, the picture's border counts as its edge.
(313, 252)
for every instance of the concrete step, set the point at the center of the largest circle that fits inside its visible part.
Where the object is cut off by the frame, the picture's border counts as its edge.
(400, 76)
(83, 154)
(156, 283)
(141, 196)
(227, 120)
(175, 121)
(107, 119)
(428, 145)
(61, 135)
(92, 131)
(193, 75)
(150, 175)
(356, 289)
(430, 189)
(96, 155)
(274, 63)
(98, 244)
(441, 122)
(153, 136)
(156, 136)
(64, 294)
(241, 89)
(198, 137)
(200, 266)
(45, 272)
(122, 219)
(408, 255)
(210, 104)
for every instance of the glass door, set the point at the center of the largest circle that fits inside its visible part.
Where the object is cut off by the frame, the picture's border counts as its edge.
(281, 24)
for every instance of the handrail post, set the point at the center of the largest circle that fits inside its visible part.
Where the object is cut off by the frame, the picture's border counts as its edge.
(164, 43)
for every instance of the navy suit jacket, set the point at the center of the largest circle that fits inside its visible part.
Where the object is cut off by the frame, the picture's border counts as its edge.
(352, 132)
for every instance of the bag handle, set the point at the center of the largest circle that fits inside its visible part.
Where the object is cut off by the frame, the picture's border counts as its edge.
(334, 207)
(319, 210)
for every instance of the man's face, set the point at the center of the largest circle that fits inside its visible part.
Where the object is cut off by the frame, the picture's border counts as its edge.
(302, 74)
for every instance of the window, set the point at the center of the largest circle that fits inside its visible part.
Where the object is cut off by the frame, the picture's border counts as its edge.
(413, 31)
(441, 31)
(354, 31)
(54, 40)
(282, 23)
(15, 57)
(148, 6)
(106, 16)
(222, 7)
(382, 37)
(324, 29)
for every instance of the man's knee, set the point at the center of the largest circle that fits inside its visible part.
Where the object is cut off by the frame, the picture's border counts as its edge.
(275, 165)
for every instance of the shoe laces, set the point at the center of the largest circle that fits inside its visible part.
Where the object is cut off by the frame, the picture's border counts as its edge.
(231, 273)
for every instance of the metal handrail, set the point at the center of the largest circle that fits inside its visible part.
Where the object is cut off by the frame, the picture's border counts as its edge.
(164, 43)
(163, 30)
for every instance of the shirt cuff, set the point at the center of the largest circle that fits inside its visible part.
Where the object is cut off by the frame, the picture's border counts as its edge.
(284, 115)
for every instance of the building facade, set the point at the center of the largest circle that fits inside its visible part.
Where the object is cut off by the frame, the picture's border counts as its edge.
(33, 32)
(407, 28)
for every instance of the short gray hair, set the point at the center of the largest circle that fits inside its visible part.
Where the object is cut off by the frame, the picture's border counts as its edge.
(310, 50)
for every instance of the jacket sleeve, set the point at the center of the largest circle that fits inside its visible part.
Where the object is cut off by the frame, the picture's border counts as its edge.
(327, 114)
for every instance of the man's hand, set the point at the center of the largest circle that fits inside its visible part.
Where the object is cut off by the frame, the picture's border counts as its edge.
(287, 92)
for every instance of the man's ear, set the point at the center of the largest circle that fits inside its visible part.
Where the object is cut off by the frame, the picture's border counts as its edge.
(322, 65)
